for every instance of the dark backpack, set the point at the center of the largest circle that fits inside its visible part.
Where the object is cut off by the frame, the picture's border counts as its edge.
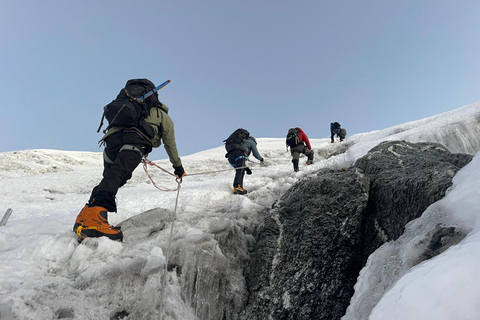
(235, 140)
(293, 138)
(127, 111)
(335, 127)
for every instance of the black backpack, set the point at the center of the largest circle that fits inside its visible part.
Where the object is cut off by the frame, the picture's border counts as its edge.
(128, 111)
(293, 138)
(335, 127)
(235, 140)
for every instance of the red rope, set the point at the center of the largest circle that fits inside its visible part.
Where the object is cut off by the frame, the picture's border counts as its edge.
(145, 167)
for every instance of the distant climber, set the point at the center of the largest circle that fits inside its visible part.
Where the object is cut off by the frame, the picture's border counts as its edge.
(298, 142)
(336, 129)
(239, 145)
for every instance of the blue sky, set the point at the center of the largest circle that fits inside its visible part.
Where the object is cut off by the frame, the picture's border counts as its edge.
(262, 65)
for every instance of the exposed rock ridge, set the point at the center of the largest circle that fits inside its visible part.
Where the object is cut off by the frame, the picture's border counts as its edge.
(319, 235)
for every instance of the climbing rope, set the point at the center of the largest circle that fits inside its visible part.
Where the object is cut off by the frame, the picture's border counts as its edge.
(146, 163)
(164, 278)
(167, 253)
(163, 284)
(209, 172)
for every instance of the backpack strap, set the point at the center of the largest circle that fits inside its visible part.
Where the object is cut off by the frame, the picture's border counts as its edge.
(113, 120)
(101, 121)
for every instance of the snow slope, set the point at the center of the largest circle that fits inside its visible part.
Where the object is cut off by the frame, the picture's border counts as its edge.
(44, 274)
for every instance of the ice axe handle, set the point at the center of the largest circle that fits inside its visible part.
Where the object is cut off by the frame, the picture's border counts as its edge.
(149, 93)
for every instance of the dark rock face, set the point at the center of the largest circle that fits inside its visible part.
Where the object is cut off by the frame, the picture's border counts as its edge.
(406, 179)
(318, 237)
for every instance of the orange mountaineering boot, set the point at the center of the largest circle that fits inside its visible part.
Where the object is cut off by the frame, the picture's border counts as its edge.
(239, 190)
(96, 225)
(80, 219)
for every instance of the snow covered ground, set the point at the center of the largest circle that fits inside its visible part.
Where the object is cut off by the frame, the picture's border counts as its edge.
(45, 274)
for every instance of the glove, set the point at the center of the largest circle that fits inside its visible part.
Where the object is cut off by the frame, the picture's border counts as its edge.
(179, 172)
(248, 171)
(262, 163)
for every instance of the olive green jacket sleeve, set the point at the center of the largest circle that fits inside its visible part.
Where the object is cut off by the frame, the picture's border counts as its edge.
(164, 131)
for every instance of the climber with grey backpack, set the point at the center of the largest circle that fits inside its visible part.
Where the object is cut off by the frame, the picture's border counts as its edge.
(336, 129)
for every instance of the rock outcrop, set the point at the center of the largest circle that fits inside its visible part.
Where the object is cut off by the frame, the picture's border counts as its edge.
(319, 235)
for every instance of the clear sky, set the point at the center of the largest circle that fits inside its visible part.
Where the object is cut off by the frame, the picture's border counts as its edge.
(263, 65)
